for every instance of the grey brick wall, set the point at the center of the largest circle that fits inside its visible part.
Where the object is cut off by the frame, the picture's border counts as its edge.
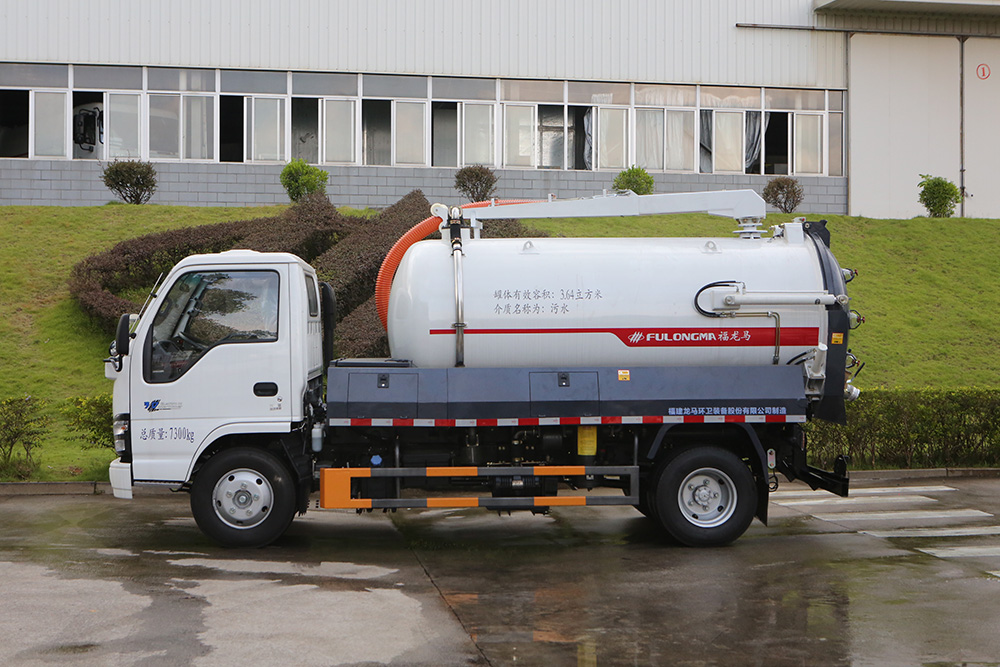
(78, 183)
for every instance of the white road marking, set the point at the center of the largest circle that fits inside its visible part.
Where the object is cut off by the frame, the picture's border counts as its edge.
(869, 491)
(869, 500)
(958, 531)
(964, 552)
(901, 515)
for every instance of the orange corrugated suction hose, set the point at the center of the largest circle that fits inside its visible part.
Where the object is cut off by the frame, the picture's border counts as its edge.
(383, 283)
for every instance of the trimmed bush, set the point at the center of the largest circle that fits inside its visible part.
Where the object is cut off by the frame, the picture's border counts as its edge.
(306, 229)
(635, 179)
(476, 182)
(783, 193)
(92, 417)
(938, 195)
(133, 181)
(22, 425)
(351, 266)
(301, 179)
(913, 428)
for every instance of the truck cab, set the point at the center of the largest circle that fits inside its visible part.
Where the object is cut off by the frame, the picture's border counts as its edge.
(226, 354)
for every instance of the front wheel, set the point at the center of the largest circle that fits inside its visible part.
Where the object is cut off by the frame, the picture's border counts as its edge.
(704, 496)
(243, 497)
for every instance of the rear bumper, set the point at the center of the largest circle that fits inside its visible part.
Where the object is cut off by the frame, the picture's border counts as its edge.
(121, 479)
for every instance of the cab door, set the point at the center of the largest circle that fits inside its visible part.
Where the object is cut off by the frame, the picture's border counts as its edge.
(215, 355)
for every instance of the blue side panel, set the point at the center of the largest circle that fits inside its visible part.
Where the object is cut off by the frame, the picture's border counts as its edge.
(399, 392)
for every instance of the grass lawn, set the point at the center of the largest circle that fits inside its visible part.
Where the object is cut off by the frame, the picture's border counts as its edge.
(924, 287)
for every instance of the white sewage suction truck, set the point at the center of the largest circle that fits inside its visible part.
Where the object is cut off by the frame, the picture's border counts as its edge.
(671, 374)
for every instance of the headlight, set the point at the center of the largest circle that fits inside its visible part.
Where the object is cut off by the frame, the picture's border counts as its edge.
(123, 437)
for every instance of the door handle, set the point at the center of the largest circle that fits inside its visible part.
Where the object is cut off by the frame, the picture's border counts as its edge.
(265, 389)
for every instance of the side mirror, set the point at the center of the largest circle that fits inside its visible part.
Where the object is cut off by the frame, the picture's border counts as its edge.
(123, 335)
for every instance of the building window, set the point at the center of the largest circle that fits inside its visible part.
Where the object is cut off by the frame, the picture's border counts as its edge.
(808, 143)
(88, 125)
(478, 134)
(519, 145)
(164, 127)
(50, 124)
(305, 129)
(199, 128)
(444, 134)
(339, 127)
(123, 126)
(650, 146)
(551, 136)
(836, 150)
(728, 145)
(612, 138)
(409, 133)
(376, 131)
(267, 140)
(14, 123)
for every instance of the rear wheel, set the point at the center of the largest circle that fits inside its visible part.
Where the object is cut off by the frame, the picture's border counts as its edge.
(243, 497)
(704, 496)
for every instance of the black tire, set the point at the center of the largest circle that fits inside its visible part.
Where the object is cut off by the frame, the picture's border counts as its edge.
(243, 497)
(704, 496)
(647, 501)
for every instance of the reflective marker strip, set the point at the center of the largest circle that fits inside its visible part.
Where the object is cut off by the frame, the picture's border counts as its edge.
(861, 500)
(960, 531)
(575, 421)
(964, 552)
(862, 491)
(901, 515)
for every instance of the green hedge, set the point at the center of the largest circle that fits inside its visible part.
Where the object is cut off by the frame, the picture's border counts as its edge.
(913, 428)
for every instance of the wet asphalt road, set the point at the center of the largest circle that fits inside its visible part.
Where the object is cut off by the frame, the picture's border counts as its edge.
(98, 581)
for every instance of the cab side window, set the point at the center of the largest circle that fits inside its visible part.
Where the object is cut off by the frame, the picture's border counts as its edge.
(205, 309)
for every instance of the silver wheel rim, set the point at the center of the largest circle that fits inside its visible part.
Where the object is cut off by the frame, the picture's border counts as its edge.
(242, 498)
(707, 498)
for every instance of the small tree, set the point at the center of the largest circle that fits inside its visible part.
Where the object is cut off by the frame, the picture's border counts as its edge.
(635, 179)
(22, 425)
(477, 182)
(783, 193)
(300, 179)
(938, 195)
(134, 181)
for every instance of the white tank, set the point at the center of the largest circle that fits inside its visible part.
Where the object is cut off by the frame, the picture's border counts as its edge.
(610, 302)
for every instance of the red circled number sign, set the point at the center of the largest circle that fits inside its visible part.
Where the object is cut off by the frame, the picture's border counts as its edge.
(983, 71)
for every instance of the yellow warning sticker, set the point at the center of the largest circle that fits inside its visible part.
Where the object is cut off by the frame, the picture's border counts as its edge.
(623, 376)
(837, 339)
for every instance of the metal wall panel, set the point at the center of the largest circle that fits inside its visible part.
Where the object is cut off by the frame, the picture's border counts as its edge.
(982, 140)
(625, 40)
(904, 120)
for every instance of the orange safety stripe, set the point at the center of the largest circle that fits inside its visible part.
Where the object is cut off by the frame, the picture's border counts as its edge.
(560, 501)
(560, 470)
(456, 471)
(453, 502)
(335, 488)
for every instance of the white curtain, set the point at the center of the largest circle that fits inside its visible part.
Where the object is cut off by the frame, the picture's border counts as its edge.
(649, 138)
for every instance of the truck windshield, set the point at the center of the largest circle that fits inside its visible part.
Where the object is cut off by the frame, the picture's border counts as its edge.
(205, 309)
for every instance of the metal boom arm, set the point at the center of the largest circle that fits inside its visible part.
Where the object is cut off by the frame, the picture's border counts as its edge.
(737, 204)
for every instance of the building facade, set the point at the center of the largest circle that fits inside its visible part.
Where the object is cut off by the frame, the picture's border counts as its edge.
(854, 98)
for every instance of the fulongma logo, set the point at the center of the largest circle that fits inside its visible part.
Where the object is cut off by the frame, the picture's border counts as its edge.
(151, 406)
(656, 337)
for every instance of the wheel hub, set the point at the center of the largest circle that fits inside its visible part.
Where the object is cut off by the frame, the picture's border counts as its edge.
(242, 498)
(707, 497)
